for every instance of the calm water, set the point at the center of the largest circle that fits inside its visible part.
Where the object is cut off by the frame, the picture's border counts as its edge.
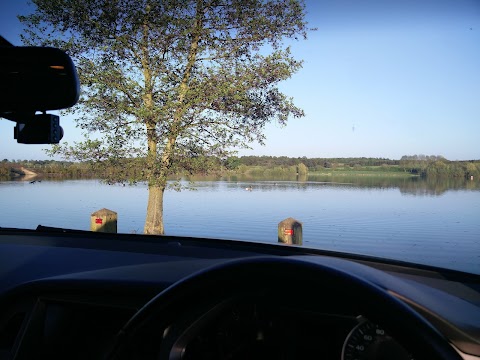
(414, 221)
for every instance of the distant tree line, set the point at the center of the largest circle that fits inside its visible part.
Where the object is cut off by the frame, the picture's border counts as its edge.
(438, 166)
(311, 163)
(46, 168)
(128, 169)
(123, 170)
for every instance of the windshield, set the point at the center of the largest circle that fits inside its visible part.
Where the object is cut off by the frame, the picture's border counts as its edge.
(358, 121)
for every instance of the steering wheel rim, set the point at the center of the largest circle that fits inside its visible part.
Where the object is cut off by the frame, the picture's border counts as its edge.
(253, 274)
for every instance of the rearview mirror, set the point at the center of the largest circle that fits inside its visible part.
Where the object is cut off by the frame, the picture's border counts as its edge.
(36, 79)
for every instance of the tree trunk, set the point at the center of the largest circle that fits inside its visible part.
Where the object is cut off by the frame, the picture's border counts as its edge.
(154, 220)
(158, 175)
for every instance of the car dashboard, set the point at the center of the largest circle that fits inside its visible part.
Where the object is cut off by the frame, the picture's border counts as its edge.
(68, 294)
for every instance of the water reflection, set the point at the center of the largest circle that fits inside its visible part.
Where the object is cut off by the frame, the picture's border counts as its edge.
(409, 186)
(415, 186)
(437, 187)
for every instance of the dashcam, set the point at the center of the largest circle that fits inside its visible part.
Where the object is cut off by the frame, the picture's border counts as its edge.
(40, 129)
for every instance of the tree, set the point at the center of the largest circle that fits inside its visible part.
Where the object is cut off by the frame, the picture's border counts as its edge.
(173, 80)
(232, 163)
(471, 169)
(302, 169)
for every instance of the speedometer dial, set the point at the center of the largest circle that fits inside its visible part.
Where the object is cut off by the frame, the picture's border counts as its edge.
(369, 341)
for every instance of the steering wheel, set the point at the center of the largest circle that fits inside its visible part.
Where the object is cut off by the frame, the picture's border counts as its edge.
(317, 279)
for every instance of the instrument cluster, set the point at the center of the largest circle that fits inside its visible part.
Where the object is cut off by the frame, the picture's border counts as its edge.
(243, 328)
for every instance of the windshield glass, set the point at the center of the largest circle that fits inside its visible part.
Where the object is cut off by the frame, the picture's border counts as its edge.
(357, 120)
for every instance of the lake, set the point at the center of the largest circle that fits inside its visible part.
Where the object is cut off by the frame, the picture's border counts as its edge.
(434, 223)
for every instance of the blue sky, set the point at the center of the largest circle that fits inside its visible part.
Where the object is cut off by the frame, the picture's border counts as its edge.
(380, 79)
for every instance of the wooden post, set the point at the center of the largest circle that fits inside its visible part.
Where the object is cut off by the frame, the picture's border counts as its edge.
(104, 220)
(290, 232)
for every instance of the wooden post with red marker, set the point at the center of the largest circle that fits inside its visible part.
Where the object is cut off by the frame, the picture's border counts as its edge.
(290, 232)
(104, 220)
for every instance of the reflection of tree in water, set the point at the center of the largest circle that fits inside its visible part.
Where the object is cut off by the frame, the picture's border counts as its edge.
(438, 186)
(373, 182)
(417, 186)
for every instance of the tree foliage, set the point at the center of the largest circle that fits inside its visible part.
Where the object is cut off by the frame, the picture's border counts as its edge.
(172, 81)
(438, 166)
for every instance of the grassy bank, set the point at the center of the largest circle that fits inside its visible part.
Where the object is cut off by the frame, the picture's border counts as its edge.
(376, 171)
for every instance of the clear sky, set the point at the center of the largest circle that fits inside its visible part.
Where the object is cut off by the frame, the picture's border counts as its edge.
(381, 78)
